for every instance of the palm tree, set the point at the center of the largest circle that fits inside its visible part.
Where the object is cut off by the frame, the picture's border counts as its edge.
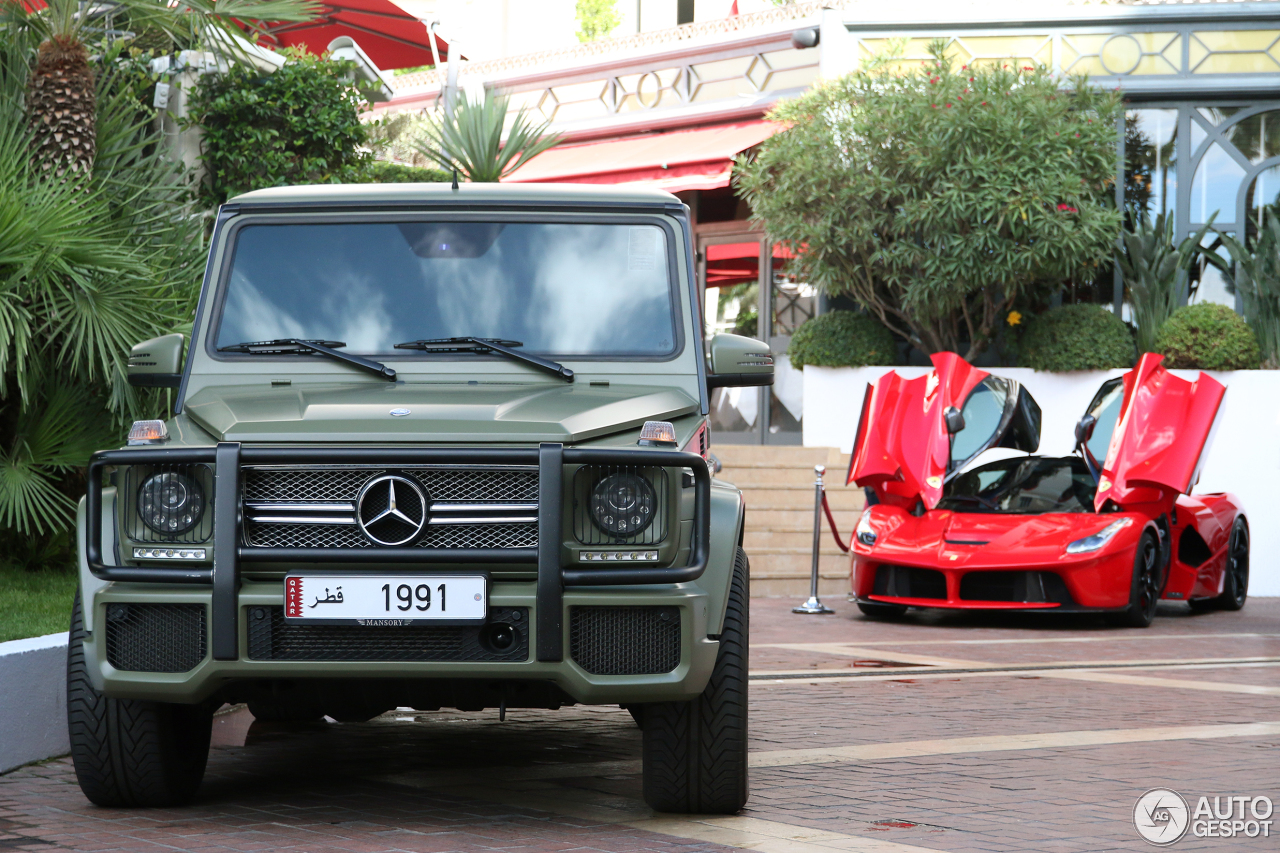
(89, 264)
(471, 141)
(60, 102)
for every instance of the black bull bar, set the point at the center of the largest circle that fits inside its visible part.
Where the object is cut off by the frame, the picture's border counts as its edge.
(229, 549)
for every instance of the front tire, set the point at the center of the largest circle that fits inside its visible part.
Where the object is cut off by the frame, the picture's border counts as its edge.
(1235, 584)
(695, 753)
(1145, 587)
(128, 752)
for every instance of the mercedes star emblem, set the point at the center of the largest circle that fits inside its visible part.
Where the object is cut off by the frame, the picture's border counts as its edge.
(391, 510)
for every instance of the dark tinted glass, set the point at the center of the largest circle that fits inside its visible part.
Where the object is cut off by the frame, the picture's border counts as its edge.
(1105, 408)
(562, 289)
(1030, 484)
(983, 415)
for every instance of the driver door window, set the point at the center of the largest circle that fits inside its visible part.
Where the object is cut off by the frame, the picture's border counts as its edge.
(983, 412)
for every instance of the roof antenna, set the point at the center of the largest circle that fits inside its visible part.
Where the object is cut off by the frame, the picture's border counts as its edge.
(455, 177)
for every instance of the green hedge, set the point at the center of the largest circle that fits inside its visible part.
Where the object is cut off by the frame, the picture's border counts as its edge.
(842, 339)
(297, 125)
(1076, 337)
(382, 172)
(1208, 337)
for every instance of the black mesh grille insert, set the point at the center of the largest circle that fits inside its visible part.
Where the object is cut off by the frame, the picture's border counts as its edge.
(910, 582)
(625, 640)
(271, 638)
(155, 637)
(1015, 586)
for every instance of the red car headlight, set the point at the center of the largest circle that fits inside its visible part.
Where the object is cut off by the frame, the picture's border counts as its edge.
(1097, 540)
(865, 533)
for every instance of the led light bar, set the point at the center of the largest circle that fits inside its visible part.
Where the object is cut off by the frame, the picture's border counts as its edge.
(618, 556)
(168, 553)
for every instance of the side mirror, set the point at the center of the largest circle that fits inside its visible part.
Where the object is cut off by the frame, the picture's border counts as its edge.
(1084, 429)
(954, 418)
(737, 361)
(157, 363)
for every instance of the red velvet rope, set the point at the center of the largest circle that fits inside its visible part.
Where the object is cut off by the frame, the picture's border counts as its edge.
(831, 520)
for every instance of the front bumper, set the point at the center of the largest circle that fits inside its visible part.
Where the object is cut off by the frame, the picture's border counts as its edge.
(1100, 583)
(210, 676)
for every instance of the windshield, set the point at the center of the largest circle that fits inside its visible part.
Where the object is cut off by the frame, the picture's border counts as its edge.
(1028, 484)
(561, 289)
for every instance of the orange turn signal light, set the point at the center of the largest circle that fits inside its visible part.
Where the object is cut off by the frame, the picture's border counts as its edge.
(658, 433)
(148, 432)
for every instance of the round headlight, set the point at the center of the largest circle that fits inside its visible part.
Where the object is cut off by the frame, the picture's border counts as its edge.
(622, 504)
(170, 503)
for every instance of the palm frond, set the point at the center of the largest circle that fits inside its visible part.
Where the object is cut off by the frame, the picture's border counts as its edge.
(472, 141)
(52, 436)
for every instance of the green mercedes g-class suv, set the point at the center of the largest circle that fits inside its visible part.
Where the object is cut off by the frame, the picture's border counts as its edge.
(430, 447)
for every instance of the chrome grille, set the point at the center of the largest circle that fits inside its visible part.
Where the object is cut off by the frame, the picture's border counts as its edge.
(349, 536)
(478, 506)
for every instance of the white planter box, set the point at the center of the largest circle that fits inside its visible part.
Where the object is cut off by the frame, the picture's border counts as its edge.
(33, 700)
(1244, 458)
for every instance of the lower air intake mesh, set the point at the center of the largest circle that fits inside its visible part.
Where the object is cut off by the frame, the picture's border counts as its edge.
(625, 640)
(272, 638)
(155, 637)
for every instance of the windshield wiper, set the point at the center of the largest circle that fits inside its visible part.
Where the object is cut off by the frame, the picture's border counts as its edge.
(282, 346)
(483, 345)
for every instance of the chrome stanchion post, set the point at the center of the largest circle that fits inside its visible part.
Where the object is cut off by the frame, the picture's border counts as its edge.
(814, 605)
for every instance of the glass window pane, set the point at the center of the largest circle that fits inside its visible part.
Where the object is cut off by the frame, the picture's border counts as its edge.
(561, 288)
(1106, 411)
(1209, 283)
(982, 413)
(1263, 195)
(1257, 137)
(1151, 180)
(1218, 178)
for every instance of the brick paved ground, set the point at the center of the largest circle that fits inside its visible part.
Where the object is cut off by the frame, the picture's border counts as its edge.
(865, 751)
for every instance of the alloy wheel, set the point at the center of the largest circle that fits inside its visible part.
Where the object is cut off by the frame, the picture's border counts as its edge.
(1238, 564)
(1149, 580)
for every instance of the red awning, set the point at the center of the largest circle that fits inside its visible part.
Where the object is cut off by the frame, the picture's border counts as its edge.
(679, 160)
(736, 263)
(390, 36)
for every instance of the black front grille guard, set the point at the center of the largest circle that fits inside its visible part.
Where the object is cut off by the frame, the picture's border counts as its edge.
(229, 548)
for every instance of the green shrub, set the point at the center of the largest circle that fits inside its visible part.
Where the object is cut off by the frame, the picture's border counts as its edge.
(842, 339)
(1076, 337)
(297, 125)
(382, 172)
(1208, 337)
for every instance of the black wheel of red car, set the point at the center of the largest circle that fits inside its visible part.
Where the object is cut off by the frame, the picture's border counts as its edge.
(127, 752)
(881, 610)
(695, 753)
(1145, 587)
(1235, 584)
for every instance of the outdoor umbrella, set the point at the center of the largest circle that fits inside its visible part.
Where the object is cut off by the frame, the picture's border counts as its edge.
(390, 36)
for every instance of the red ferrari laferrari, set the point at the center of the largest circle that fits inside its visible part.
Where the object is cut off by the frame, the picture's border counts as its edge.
(1031, 532)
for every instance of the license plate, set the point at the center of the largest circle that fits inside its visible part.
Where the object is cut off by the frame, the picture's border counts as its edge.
(385, 601)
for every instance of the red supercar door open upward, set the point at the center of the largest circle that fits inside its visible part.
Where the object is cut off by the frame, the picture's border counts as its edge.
(1162, 434)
